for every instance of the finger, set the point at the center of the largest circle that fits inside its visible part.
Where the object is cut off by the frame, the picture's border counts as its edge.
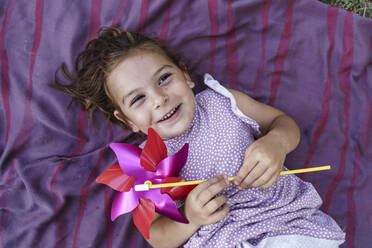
(248, 165)
(213, 205)
(271, 182)
(263, 179)
(203, 186)
(256, 173)
(207, 194)
(219, 214)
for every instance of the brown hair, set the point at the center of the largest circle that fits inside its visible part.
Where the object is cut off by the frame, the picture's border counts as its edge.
(95, 63)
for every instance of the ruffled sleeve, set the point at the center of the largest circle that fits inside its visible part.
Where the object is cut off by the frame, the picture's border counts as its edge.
(216, 86)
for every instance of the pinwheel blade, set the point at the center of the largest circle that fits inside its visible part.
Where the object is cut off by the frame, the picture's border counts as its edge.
(172, 165)
(124, 202)
(128, 157)
(143, 216)
(177, 192)
(116, 179)
(153, 152)
(165, 205)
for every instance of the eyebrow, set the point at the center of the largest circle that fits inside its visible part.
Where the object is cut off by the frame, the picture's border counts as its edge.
(156, 72)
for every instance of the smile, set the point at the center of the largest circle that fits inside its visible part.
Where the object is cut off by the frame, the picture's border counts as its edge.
(170, 113)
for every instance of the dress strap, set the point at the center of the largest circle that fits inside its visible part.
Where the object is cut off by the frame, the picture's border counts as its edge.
(216, 86)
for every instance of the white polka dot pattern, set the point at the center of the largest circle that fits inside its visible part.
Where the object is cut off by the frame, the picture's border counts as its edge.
(218, 139)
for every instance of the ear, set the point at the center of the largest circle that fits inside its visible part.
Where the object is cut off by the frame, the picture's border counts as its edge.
(121, 118)
(186, 74)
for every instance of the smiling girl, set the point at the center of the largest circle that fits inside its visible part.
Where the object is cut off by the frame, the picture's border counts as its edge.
(139, 84)
(152, 92)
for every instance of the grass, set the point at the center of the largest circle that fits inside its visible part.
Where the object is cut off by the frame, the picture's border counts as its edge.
(360, 7)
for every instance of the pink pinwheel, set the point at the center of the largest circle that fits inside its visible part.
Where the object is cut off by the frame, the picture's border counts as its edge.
(136, 167)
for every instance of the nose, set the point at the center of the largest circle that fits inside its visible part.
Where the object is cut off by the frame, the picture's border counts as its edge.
(159, 98)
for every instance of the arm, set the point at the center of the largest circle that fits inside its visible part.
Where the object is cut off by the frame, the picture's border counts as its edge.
(165, 232)
(265, 157)
(202, 207)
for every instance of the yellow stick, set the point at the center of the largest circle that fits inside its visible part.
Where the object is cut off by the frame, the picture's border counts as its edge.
(165, 185)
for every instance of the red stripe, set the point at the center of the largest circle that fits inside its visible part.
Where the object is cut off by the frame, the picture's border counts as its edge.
(95, 18)
(344, 79)
(350, 218)
(61, 228)
(331, 22)
(265, 20)
(165, 26)
(57, 198)
(37, 38)
(95, 23)
(364, 144)
(85, 191)
(366, 133)
(108, 222)
(119, 13)
(281, 54)
(5, 85)
(213, 22)
(9, 181)
(232, 61)
(111, 131)
(145, 5)
(84, 195)
(28, 120)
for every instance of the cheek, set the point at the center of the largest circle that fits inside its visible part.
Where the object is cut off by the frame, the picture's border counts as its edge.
(180, 90)
(140, 117)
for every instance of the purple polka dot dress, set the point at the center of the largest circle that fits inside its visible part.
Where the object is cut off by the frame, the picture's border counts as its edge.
(218, 137)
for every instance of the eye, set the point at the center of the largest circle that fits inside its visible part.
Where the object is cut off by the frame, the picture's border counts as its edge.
(136, 98)
(164, 77)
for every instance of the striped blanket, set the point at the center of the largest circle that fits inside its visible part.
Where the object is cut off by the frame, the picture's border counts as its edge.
(310, 60)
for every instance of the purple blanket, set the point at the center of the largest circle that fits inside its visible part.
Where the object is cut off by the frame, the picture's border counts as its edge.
(310, 60)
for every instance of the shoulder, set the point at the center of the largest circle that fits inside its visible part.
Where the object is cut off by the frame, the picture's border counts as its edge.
(241, 97)
(210, 101)
(262, 113)
(209, 95)
(215, 92)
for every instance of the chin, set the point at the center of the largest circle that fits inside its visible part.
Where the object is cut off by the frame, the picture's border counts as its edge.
(169, 134)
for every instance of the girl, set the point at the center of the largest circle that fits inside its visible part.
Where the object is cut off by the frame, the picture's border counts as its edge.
(139, 84)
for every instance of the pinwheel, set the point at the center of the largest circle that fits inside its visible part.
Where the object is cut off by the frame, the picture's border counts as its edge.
(136, 166)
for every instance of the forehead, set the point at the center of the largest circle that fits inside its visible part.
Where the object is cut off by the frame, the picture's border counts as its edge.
(136, 69)
(140, 62)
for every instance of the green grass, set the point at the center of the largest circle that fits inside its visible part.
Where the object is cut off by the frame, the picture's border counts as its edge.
(360, 7)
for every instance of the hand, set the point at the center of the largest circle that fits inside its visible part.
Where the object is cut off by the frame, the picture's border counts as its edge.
(202, 207)
(262, 164)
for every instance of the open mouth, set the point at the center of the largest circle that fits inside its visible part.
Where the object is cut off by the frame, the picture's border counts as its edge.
(170, 114)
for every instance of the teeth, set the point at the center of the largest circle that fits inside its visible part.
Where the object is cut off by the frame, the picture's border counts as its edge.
(169, 114)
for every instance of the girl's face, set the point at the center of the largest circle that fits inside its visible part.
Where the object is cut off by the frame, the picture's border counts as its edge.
(152, 92)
